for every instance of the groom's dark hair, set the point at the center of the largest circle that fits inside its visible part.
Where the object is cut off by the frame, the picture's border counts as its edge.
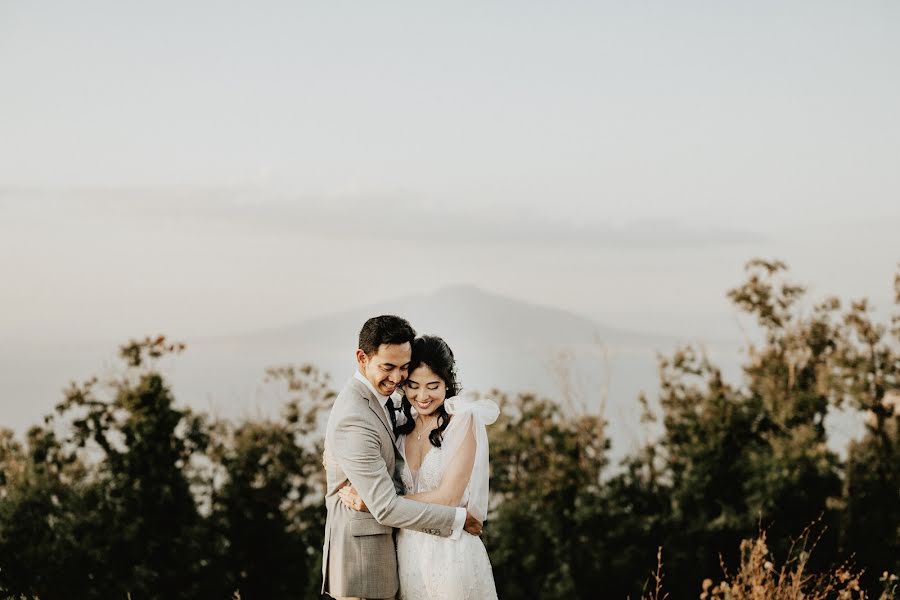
(386, 329)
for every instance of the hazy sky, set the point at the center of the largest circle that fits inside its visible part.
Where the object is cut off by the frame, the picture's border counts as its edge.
(202, 166)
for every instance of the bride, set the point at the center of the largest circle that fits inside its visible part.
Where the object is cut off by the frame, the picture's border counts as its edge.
(445, 450)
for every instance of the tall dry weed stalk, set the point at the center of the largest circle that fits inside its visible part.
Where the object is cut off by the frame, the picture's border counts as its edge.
(658, 593)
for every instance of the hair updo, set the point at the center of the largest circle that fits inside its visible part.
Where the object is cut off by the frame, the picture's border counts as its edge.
(433, 352)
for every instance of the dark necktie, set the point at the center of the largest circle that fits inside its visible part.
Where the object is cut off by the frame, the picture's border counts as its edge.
(389, 405)
(398, 466)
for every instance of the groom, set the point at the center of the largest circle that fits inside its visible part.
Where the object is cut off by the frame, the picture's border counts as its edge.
(359, 559)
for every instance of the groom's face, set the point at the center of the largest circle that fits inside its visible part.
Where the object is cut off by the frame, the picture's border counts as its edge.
(387, 368)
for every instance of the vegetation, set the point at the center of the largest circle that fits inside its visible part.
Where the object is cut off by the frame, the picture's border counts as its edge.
(122, 491)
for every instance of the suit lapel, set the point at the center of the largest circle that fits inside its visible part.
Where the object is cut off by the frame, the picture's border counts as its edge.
(379, 410)
(376, 408)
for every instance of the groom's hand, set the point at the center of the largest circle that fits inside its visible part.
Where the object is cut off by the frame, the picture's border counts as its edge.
(472, 525)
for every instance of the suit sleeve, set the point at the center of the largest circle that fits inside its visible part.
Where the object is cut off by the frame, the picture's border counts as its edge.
(357, 450)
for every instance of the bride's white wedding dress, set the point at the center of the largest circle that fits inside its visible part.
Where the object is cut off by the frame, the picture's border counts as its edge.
(436, 568)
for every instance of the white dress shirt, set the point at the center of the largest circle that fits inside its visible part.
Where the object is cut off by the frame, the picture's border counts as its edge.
(460, 521)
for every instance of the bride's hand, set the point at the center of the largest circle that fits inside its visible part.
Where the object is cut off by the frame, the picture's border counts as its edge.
(352, 499)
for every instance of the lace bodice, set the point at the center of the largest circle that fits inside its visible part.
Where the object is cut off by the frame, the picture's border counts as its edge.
(428, 477)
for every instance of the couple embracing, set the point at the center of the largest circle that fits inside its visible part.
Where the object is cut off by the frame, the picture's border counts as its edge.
(406, 460)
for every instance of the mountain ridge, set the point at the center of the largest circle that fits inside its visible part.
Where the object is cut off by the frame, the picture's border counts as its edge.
(462, 311)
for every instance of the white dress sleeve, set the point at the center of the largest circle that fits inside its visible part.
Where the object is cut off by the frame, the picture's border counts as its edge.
(469, 419)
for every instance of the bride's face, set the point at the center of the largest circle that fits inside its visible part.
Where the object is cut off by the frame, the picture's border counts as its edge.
(425, 390)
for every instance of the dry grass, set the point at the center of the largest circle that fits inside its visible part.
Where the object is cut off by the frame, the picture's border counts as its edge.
(759, 579)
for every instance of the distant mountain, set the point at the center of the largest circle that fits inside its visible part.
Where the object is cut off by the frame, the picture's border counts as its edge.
(499, 342)
(464, 315)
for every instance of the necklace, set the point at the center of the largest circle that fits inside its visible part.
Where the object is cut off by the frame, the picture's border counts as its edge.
(422, 429)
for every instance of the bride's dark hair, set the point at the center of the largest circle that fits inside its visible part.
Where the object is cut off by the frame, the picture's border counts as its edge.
(433, 352)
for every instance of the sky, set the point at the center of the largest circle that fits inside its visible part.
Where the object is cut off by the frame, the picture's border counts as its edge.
(208, 167)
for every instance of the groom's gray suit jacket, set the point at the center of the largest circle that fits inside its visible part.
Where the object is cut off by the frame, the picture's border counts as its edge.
(359, 558)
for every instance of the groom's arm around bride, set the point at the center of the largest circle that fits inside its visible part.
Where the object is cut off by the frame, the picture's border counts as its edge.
(357, 449)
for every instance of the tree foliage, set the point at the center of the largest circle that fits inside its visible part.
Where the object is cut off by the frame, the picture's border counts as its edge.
(124, 491)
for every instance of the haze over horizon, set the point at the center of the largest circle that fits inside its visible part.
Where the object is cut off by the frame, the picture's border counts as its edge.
(107, 270)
